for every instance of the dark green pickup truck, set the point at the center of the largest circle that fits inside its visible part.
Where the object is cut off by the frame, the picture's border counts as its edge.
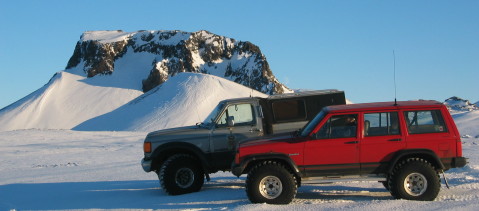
(182, 157)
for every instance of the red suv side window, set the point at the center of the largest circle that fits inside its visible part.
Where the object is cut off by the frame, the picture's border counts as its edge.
(430, 121)
(381, 124)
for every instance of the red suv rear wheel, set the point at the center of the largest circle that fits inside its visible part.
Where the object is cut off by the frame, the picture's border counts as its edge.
(415, 179)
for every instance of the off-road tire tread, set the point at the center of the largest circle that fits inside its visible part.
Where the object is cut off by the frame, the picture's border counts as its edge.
(169, 186)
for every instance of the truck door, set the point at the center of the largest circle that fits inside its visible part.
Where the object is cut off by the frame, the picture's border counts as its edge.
(224, 138)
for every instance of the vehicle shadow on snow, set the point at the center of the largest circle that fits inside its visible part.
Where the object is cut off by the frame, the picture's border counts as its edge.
(116, 195)
(220, 193)
(340, 192)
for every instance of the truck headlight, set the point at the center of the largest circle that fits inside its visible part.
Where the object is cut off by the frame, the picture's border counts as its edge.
(147, 147)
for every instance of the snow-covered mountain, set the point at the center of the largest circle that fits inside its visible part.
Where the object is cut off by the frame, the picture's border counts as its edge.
(119, 81)
(457, 104)
(155, 56)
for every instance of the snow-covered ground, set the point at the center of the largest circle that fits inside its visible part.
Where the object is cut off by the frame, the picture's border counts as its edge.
(74, 170)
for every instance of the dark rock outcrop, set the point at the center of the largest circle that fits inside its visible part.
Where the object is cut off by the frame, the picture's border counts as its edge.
(458, 104)
(178, 51)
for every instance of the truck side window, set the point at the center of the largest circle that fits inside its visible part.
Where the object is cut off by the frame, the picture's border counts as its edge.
(425, 122)
(242, 114)
(288, 110)
(339, 126)
(381, 124)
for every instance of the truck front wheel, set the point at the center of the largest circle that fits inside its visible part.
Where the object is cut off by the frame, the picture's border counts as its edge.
(270, 182)
(181, 174)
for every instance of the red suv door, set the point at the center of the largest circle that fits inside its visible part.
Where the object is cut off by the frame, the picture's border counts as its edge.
(333, 149)
(381, 137)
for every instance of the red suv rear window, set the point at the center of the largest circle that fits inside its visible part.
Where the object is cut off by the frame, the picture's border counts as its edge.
(428, 121)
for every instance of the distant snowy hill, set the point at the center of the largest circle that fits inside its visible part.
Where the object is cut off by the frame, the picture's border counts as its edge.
(465, 114)
(457, 104)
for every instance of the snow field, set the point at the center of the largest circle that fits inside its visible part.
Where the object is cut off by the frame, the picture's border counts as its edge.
(74, 170)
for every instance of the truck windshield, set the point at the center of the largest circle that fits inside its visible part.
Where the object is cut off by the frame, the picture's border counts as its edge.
(312, 124)
(210, 119)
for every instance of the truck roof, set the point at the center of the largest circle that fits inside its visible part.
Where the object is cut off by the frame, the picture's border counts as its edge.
(288, 95)
(384, 105)
(304, 93)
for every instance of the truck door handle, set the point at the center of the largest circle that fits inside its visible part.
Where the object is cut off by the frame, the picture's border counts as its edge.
(254, 130)
(396, 139)
(351, 142)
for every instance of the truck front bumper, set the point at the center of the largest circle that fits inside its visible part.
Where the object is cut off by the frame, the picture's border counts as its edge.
(146, 164)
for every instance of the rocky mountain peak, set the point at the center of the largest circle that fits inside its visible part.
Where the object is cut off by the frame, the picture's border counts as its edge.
(458, 104)
(172, 52)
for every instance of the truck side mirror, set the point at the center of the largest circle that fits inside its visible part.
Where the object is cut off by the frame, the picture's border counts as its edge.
(230, 121)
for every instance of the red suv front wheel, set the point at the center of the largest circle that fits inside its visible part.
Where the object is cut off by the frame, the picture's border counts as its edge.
(270, 182)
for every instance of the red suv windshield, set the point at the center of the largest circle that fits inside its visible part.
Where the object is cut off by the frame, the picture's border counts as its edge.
(312, 124)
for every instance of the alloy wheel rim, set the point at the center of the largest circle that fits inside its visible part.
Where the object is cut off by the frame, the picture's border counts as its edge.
(270, 187)
(184, 177)
(415, 184)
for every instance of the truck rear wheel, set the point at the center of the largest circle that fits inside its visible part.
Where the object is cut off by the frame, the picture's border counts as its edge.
(181, 174)
(415, 179)
(270, 182)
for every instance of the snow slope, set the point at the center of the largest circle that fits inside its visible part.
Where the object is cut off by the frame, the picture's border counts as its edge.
(184, 99)
(70, 100)
(468, 122)
(64, 102)
(74, 170)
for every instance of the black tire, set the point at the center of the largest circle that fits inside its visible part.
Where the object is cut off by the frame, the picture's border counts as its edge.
(181, 174)
(385, 184)
(414, 179)
(270, 182)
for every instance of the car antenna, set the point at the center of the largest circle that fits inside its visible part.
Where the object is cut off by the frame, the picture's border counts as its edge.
(395, 90)
(249, 84)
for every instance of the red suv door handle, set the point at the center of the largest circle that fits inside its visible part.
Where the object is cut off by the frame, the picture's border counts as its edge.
(396, 139)
(351, 142)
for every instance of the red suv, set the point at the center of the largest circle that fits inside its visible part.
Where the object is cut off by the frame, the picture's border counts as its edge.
(404, 145)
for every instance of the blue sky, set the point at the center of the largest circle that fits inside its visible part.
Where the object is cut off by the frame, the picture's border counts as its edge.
(345, 45)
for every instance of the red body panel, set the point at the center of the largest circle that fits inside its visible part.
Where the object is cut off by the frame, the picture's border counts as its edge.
(361, 154)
